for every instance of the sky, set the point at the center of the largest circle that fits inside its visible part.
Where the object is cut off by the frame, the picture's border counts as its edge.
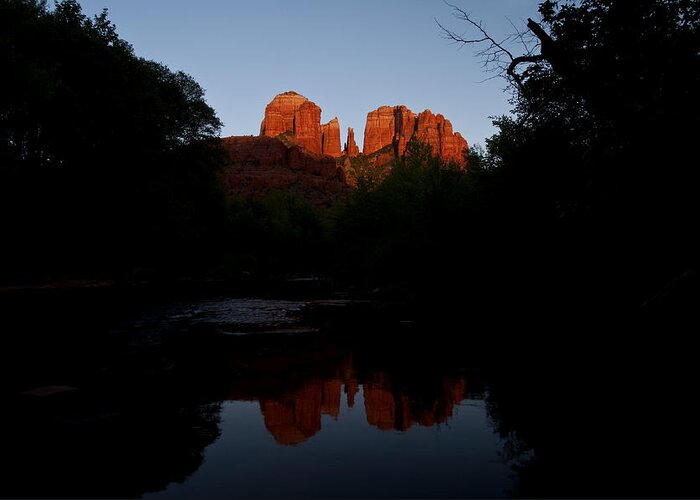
(349, 57)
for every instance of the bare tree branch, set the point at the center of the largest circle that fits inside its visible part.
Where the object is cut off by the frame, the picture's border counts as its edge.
(496, 56)
(489, 79)
(463, 15)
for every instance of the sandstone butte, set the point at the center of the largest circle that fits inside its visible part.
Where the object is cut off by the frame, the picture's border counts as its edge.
(395, 126)
(292, 112)
(330, 133)
(295, 152)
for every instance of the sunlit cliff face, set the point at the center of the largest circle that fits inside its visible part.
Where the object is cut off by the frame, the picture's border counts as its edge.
(397, 125)
(296, 152)
(293, 113)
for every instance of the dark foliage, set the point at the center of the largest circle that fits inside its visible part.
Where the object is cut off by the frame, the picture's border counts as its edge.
(594, 172)
(107, 160)
(591, 183)
(278, 235)
(397, 233)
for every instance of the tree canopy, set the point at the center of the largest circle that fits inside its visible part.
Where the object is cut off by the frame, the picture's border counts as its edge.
(103, 154)
(597, 159)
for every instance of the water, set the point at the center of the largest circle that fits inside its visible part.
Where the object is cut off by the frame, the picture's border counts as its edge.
(241, 398)
(109, 394)
(349, 457)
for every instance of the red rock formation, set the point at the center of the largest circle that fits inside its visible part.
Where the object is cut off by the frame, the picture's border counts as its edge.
(404, 127)
(396, 126)
(258, 165)
(453, 149)
(296, 153)
(292, 112)
(351, 148)
(280, 112)
(437, 131)
(307, 127)
(330, 133)
(427, 130)
(379, 129)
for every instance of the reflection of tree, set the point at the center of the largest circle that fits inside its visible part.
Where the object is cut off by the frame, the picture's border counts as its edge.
(618, 262)
(75, 446)
(142, 414)
(388, 407)
(599, 431)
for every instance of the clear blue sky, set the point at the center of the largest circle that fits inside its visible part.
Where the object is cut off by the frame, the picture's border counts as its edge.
(349, 57)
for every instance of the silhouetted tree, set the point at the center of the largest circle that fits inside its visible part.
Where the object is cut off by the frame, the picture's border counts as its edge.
(107, 160)
(597, 154)
(397, 233)
(279, 234)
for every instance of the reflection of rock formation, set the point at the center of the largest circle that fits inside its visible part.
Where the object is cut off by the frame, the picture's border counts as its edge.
(298, 379)
(385, 409)
(351, 390)
(330, 401)
(296, 416)
(388, 408)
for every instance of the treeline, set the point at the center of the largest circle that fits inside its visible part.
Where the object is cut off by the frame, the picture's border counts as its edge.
(595, 169)
(106, 163)
(109, 163)
(582, 204)
(583, 201)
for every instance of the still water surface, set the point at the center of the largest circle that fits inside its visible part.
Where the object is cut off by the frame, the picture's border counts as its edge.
(349, 457)
(244, 398)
